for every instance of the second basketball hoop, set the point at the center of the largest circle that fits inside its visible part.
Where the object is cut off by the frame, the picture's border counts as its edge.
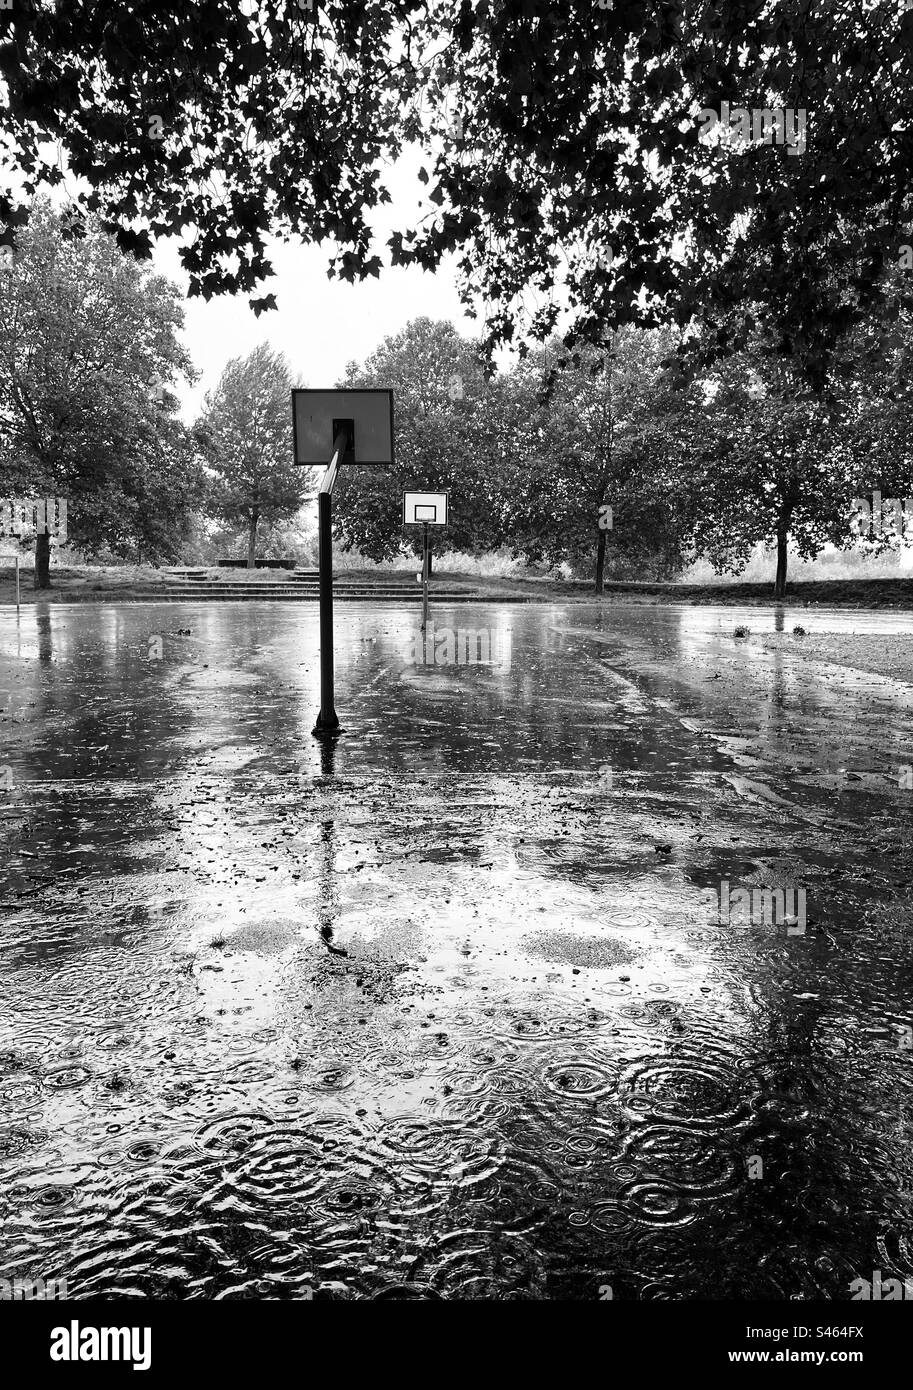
(425, 509)
(428, 508)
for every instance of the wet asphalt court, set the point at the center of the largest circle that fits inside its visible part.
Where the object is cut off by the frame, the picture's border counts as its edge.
(445, 1010)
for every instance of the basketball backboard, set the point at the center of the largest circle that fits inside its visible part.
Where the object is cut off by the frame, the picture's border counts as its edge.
(429, 507)
(316, 416)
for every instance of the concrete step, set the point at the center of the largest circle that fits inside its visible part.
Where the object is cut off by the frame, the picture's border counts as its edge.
(299, 592)
(267, 594)
(271, 590)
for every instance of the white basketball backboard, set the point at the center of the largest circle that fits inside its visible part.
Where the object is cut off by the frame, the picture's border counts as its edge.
(316, 415)
(428, 507)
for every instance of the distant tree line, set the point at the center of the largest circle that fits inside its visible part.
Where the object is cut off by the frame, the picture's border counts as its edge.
(632, 457)
(625, 457)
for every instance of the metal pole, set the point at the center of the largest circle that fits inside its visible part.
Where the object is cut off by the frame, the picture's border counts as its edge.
(425, 577)
(17, 582)
(327, 719)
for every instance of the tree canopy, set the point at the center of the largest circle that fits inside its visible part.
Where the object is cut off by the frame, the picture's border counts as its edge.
(778, 462)
(605, 432)
(456, 429)
(565, 161)
(244, 435)
(90, 351)
(233, 120)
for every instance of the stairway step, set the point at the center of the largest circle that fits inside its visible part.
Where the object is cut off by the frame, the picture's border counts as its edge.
(176, 594)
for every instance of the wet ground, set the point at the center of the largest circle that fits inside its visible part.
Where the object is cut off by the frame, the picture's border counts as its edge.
(446, 1009)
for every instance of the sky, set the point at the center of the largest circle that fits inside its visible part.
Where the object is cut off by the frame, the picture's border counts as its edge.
(320, 324)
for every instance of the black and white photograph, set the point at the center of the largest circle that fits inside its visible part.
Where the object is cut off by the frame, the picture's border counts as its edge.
(456, 680)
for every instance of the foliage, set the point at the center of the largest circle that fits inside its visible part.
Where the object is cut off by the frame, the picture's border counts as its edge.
(565, 164)
(454, 429)
(602, 430)
(780, 463)
(579, 173)
(89, 345)
(236, 120)
(244, 433)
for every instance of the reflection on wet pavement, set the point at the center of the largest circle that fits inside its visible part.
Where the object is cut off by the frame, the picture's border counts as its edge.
(442, 1010)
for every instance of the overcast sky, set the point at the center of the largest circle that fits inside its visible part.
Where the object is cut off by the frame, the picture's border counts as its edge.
(320, 324)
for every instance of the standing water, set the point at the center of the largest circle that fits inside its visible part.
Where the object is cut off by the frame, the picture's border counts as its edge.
(450, 1008)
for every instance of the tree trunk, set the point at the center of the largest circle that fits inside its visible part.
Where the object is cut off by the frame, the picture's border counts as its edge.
(252, 542)
(780, 584)
(42, 560)
(600, 562)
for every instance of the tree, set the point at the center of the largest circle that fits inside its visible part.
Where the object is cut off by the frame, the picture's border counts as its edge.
(602, 433)
(89, 344)
(780, 462)
(244, 433)
(454, 429)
